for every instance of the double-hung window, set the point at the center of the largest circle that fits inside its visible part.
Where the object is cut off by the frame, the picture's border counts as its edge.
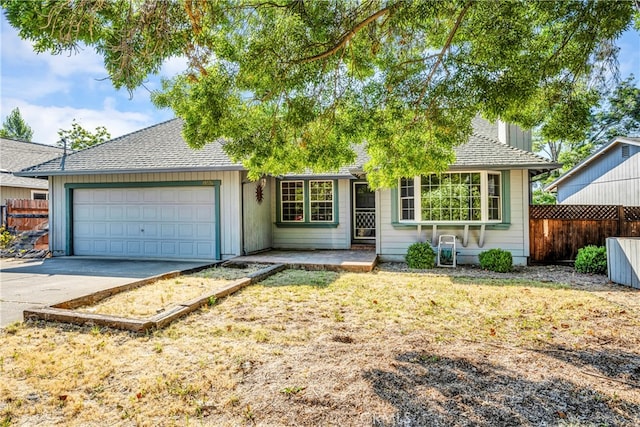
(307, 202)
(321, 201)
(292, 201)
(451, 197)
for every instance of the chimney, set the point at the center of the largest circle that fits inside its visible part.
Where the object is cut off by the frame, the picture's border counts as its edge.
(514, 136)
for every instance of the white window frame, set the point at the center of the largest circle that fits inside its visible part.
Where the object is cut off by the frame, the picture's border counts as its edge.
(282, 201)
(484, 200)
(34, 192)
(312, 201)
(402, 199)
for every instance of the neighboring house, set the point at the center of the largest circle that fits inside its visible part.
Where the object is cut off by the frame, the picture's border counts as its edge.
(17, 155)
(610, 176)
(148, 195)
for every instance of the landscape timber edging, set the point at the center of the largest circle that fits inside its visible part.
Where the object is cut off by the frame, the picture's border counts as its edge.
(64, 312)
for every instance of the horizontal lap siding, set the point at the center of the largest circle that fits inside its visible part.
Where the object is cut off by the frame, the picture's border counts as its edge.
(608, 180)
(317, 238)
(15, 193)
(230, 205)
(394, 242)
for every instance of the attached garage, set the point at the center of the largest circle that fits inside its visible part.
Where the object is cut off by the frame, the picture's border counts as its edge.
(145, 220)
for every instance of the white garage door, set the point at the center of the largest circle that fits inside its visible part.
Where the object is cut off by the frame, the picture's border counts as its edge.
(154, 222)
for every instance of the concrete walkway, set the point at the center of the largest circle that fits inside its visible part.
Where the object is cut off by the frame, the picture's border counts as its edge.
(336, 260)
(38, 283)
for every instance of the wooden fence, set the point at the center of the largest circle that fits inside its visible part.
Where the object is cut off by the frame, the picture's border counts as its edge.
(556, 232)
(26, 215)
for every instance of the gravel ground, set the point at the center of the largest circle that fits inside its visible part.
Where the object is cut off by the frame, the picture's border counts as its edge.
(540, 273)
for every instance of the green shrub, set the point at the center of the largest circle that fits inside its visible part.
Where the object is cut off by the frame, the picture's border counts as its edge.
(592, 259)
(421, 255)
(6, 238)
(496, 260)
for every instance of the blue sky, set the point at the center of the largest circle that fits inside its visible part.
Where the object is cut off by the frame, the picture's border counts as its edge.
(51, 90)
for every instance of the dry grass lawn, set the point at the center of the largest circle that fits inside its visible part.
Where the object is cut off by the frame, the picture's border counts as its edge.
(322, 348)
(162, 295)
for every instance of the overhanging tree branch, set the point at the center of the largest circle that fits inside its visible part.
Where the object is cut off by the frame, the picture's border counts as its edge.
(348, 36)
(444, 50)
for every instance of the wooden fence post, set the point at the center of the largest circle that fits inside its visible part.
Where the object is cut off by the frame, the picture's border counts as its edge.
(621, 219)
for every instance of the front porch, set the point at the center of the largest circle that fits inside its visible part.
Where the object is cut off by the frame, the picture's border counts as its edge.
(335, 260)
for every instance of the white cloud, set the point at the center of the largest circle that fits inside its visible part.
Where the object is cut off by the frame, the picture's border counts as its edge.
(47, 120)
(16, 51)
(174, 65)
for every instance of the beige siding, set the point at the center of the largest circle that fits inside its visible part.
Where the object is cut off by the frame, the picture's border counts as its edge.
(317, 238)
(393, 242)
(230, 203)
(16, 193)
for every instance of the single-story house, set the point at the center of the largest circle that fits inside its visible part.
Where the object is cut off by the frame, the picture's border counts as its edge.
(148, 195)
(16, 155)
(610, 176)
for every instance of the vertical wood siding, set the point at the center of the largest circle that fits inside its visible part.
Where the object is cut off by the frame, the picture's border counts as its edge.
(230, 203)
(257, 217)
(623, 261)
(393, 242)
(608, 180)
(317, 238)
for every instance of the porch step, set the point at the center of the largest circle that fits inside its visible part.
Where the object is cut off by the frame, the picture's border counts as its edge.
(362, 247)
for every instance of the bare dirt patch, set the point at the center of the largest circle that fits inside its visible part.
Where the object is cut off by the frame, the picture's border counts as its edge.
(390, 348)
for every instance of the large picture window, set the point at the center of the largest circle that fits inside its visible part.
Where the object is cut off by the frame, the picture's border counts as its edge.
(451, 197)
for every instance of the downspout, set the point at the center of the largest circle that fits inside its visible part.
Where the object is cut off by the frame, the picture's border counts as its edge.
(243, 249)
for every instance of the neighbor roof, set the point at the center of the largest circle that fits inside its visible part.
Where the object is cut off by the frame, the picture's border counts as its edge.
(161, 148)
(16, 155)
(7, 179)
(603, 150)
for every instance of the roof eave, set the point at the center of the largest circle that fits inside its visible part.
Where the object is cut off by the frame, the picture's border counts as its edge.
(119, 171)
(604, 149)
(529, 166)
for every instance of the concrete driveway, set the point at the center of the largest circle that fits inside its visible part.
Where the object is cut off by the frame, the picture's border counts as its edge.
(37, 283)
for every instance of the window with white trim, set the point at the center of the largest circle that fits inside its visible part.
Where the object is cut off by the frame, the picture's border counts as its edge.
(321, 201)
(451, 197)
(39, 195)
(292, 201)
(406, 199)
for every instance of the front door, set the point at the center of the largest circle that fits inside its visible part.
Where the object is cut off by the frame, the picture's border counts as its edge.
(364, 213)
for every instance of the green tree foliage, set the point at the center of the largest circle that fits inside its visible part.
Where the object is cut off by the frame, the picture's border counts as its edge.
(78, 138)
(541, 197)
(617, 115)
(15, 127)
(293, 84)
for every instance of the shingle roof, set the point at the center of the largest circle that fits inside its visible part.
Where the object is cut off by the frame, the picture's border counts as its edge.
(482, 151)
(9, 180)
(17, 155)
(161, 148)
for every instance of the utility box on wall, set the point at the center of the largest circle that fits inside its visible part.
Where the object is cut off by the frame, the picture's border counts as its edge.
(623, 260)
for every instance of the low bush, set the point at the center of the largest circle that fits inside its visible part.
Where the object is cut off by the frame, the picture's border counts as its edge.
(497, 260)
(6, 238)
(591, 259)
(421, 255)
